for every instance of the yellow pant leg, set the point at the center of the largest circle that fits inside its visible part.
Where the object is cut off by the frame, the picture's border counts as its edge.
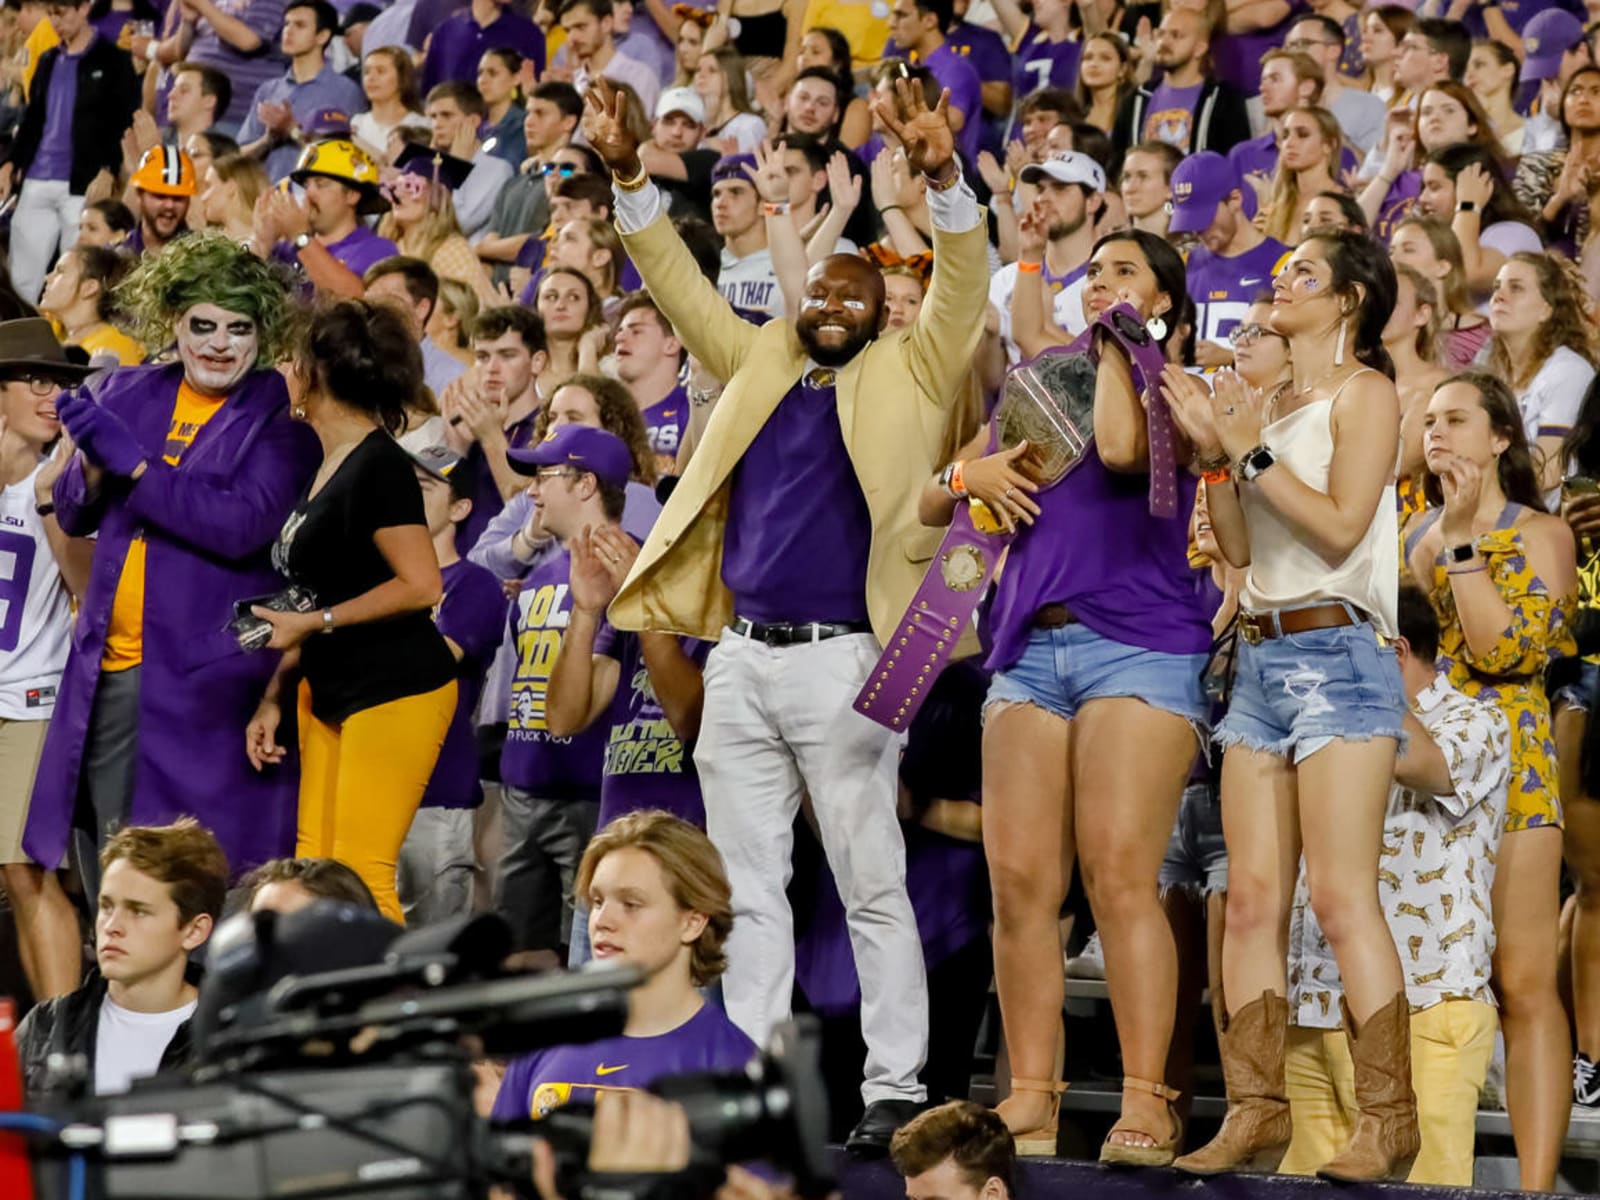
(1321, 1086)
(386, 755)
(1451, 1044)
(319, 781)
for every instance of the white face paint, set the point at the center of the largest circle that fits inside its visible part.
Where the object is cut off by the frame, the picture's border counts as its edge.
(217, 346)
(856, 305)
(812, 302)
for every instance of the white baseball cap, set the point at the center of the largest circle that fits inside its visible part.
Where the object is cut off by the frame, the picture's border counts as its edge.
(1067, 166)
(682, 100)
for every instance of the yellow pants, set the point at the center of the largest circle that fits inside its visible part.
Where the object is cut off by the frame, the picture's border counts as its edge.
(362, 780)
(1451, 1044)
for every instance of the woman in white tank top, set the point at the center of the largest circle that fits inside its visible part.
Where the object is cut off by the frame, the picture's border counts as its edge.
(1301, 492)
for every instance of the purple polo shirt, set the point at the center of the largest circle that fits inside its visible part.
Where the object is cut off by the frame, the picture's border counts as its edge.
(247, 72)
(460, 42)
(324, 90)
(486, 499)
(360, 248)
(953, 71)
(472, 614)
(798, 532)
(1041, 63)
(539, 1083)
(646, 764)
(557, 768)
(53, 160)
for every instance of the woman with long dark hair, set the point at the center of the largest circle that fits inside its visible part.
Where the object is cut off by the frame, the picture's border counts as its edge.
(1122, 611)
(1300, 491)
(1493, 75)
(1465, 186)
(371, 676)
(1501, 574)
(1559, 184)
(1105, 77)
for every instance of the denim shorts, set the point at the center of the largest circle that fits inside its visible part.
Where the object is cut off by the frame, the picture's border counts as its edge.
(1197, 858)
(1294, 694)
(1578, 695)
(1063, 669)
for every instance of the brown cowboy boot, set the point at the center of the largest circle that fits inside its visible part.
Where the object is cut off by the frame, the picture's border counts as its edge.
(1386, 1137)
(1255, 1133)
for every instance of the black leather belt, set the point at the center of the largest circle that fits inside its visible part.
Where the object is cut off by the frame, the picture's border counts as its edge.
(1053, 616)
(794, 633)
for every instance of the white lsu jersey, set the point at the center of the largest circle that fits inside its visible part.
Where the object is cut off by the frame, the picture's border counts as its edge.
(35, 609)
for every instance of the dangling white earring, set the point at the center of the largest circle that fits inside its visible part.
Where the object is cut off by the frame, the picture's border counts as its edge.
(1338, 349)
(1157, 328)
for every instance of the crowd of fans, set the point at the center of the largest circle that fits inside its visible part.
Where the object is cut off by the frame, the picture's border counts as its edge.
(462, 457)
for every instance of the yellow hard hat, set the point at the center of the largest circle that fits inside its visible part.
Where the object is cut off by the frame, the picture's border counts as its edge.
(165, 171)
(342, 159)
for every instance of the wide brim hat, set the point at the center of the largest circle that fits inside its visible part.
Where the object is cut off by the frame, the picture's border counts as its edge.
(29, 344)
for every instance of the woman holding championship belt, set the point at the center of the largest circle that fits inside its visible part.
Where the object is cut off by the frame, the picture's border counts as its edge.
(1100, 635)
(1301, 491)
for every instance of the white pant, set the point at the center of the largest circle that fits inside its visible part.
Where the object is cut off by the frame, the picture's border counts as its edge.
(46, 217)
(777, 724)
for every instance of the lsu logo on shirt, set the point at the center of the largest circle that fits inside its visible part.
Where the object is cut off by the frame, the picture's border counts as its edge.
(548, 1097)
(542, 614)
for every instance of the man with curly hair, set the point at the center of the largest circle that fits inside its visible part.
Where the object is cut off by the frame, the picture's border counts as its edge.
(185, 471)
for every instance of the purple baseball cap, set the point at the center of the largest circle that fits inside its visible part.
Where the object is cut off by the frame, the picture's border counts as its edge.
(328, 122)
(1200, 183)
(580, 446)
(1546, 38)
(732, 166)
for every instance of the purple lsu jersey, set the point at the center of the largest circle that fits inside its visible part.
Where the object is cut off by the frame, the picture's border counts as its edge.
(1223, 289)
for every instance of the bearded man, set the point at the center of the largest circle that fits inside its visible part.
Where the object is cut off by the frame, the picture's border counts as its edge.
(792, 542)
(185, 472)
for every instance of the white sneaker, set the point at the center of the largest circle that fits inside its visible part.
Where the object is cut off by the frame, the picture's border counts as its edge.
(1090, 963)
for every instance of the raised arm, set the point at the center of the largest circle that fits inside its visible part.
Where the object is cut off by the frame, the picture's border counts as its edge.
(711, 330)
(945, 334)
(581, 681)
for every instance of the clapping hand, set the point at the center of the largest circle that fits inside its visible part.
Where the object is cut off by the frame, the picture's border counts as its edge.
(1237, 410)
(605, 126)
(601, 559)
(1189, 400)
(930, 145)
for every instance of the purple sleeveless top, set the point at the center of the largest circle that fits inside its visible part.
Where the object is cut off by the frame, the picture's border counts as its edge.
(1095, 548)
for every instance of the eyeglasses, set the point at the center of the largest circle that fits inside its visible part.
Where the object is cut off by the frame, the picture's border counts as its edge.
(1304, 44)
(39, 385)
(1249, 335)
(565, 170)
(546, 473)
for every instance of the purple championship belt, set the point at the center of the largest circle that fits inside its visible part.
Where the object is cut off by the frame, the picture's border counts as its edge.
(1049, 401)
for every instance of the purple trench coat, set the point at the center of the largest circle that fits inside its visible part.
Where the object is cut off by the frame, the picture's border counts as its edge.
(208, 526)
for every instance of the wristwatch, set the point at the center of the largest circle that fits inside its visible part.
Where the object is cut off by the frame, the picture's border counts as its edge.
(302, 241)
(1255, 462)
(1467, 206)
(1463, 552)
(327, 620)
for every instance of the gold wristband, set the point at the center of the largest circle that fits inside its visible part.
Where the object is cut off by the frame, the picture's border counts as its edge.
(935, 185)
(632, 185)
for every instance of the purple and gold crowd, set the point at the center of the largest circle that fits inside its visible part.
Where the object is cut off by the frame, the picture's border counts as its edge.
(565, 462)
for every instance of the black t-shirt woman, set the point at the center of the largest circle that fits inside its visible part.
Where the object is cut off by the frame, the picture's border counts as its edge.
(376, 682)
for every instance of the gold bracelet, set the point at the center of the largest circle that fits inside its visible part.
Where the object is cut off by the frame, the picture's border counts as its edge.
(632, 185)
(935, 185)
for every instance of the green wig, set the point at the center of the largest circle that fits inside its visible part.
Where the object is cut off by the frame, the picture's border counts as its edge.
(207, 268)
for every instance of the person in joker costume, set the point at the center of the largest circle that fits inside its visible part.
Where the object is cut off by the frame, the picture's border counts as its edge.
(185, 471)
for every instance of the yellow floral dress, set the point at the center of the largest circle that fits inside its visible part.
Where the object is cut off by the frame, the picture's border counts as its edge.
(1511, 673)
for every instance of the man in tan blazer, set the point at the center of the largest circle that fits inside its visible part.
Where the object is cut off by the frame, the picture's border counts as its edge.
(792, 541)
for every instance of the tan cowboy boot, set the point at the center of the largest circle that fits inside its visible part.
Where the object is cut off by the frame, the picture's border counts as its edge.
(1255, 1133)
(1386, 1137)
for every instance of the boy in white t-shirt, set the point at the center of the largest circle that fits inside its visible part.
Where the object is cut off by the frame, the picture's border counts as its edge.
(161, 892)
(41, 568)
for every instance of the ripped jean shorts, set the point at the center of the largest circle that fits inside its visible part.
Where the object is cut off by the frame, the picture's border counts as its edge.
(1292, 695)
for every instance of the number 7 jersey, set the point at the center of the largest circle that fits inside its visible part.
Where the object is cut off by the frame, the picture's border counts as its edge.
(35, 609)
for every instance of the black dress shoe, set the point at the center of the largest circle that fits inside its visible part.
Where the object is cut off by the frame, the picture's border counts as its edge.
(870, 1137)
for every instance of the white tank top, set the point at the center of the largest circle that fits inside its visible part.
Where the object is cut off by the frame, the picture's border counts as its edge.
(1285, 570)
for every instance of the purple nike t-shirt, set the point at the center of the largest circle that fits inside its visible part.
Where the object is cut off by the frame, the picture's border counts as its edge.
(1041, 63)
(558, 768)
(539, 1083)
(472, 614)
(664, 423)
(1224, 287)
